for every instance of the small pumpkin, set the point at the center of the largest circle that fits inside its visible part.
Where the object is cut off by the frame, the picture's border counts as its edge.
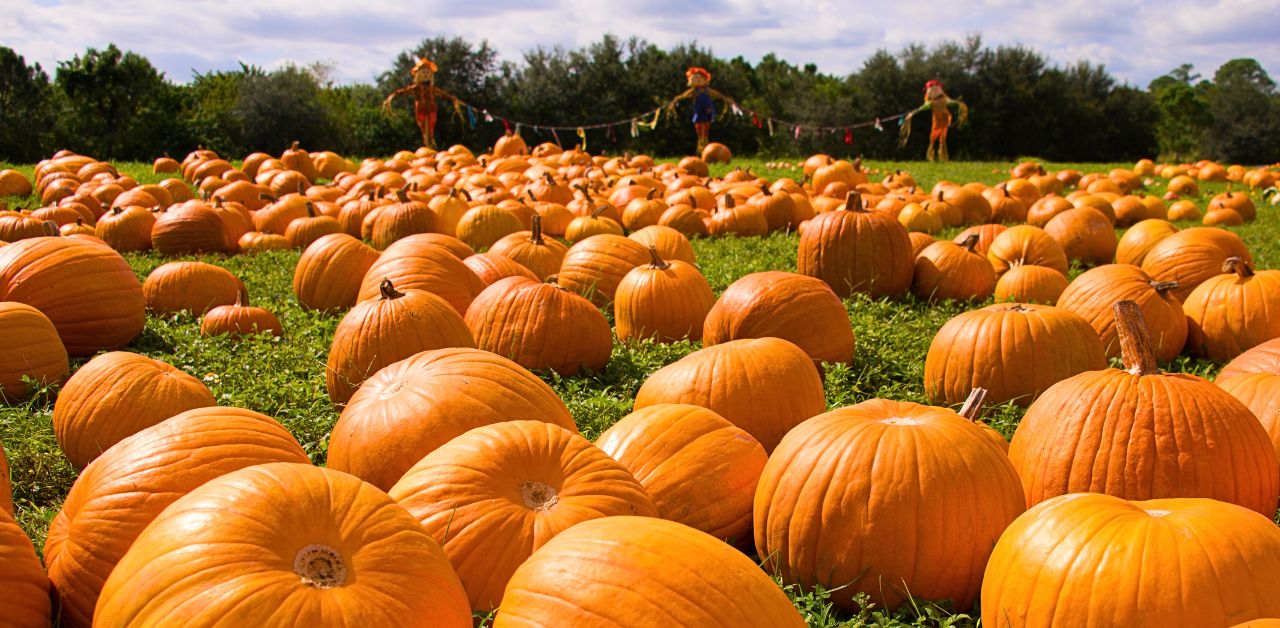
(541, 256)
(240, 319)
(793, 307)
(188, 228)
(594, 267)
(1030, 284)
(194, 287)
(663, 300)
(392, 222)
(1085, 235)
(1231, 313)
(301, 232)
(946, 270)
(484, 225)
(1026, 245)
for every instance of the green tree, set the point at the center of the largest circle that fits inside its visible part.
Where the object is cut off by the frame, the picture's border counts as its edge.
(212, 116)
(1246, 114)
(1182, 113)
(26, 115)
(277, 108)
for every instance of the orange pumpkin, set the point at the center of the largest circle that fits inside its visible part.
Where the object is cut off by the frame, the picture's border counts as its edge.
(1094, 293)
(492, 267)
(796, 308)
(540, 326)
(259, 242)
(1085, 235)
(1139, 239)
(412, 265)
(765, 386)
(1030, 284)
(409, 409)
(671, 244)
(122, 491)
(240, 319)
(29, 347)
(1074, 561)
(1143, 434)
(857, 251)
(594, 267)
(189, 286)
(1026, 245)
(1231, 313)
(1263, 358)
(301, 232)
(1260, 392)
(188, 228)
(328, 273)
(700, 469)
(26, 588)
(666, 301)
(1191, 256)
(986, 235)
(946, 270)
(392, 222)
(531, 250)
(337, 551)
(484, 225)
(497, 493)
(822, 516)
(126, 229)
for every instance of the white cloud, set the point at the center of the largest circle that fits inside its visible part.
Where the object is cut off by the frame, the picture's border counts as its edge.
(1136, 40)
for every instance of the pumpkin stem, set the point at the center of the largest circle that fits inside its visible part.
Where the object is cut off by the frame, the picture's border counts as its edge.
(1163, 287)
(79, 222)
(656, 260)
(853, 203)
(1237, 265)
(535, 236)
(389, 291)
(970, 242)
(729, 202)
(311, 210)
(242, 296)
(940, 195)
(465, 194)
(320, 567)
(972, 408)
(652, 192)
(1135, 342)
(539, 496)
(531, 196)
(295, 145)
(116, 211)
(50, 228)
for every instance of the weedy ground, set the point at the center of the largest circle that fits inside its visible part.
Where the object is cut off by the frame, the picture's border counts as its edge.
(285, 377)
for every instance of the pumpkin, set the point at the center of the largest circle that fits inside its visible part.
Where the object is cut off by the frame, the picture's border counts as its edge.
(409, 409)
(1143, 434)
(996, 347)
(765, 386)
(188, 228)
(259, 242)
(823, 517)
(77, 228)
(122, 491)
(189, 286)
(1239, 202)
(531, 250)
(917, 218)
(1139, 239)
(497, 493)
(26, 588)
(1085, 235)
(1026, 245)
(671, 244)
(1191, 256)
(377, 333)
(1224, 217)
(491, 267)
(857, 251)
(14, 183)
(986, 235)
(919, 242)
(240, 319)
(1260, 392)
(295, 544)
(540, 326)
(946, 270)
(1231, 313)
(415, 242)
(1183, 210)
(117, 394)
(1005, 208)
(1094, 293)
(86, 289)
(29, 347)
(430, 268)
(666, 301)
(685, 219)
(398, 220)
(1042, 210)
(594, 267)
(329, 271)
(1263, 358)
(1093, 560)
(483, 225)
(1030, 284)
(21, 227)
(594, 223)
(621, 571)
(295, 158)
(301, 232)
(793, 307)
(643, 212)
(126, 229)
(700, 469)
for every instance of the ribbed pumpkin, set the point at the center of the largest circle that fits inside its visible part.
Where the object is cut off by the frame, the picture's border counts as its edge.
(188, 228)
(671, 244)
(1263, 358)
(890, 498)
(1093, 296)
(1096, 560)
(276, 217)
(594, 223)
(663, 300)
(398, 220)
(986, 235)
(1026, 245)
(594, 267)
(328, 274)
(290, 544)
(919, 242)
(999, 348)
(77, 228)
(379, 332)
(117, 394)
(1005, 207)
(1260, 392)
(240, 319)
(189, 286)
(26, 588)
(497, 493)
(301, 232)
(492, 267)
(532, 251)
(643, 212)
(126, 229)
(1191, 256)
(431, 268)
(1139, 239)
(857, 251)
(29, 347)
(121, 492)
(1238, 202)
(415, 242)
(946, 270)
(1030, 284)
(1233, 312)
(796, 308)
(20, 227)
(259, 242)
(86, 289)
(483, 225)
(700, 469)
(540, 326)
(765, 386)
(624, 571)
(1143, 434)
(409, 409)
(1085, 235)
(685, 219)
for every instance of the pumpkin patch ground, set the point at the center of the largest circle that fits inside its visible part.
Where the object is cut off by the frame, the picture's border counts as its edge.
(722, 287)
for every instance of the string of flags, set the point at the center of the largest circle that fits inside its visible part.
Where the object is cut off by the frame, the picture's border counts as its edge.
(647, 121)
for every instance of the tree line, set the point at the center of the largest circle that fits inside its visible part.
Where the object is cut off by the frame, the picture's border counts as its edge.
(115, 104)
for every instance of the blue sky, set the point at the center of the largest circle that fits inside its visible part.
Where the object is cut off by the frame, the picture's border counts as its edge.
(1136, 40)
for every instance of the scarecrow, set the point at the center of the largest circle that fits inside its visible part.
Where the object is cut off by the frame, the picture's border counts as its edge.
(936, 100)
(704, 108)
(424, 91)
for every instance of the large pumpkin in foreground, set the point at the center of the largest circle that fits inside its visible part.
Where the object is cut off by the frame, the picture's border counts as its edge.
(499, 492)
(284, 544)
(26, 589)
(890, 498)
(1096, 560)
(86, 289)
(642, 572)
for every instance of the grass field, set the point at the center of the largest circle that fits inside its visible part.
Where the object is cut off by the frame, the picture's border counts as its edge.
(285, 378)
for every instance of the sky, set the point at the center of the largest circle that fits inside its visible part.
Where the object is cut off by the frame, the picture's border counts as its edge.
(1136, 40)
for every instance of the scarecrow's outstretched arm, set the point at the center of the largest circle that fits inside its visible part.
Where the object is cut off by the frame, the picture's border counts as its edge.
(686, 94)
(904, 127)
(962, 109)
(386, 104)
(444, 93)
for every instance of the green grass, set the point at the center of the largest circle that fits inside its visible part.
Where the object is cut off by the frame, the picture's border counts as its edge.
(284, 378)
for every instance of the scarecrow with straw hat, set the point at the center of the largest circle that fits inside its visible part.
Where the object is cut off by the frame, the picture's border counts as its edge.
(937, 101)
(425, 92)
(704, 108)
